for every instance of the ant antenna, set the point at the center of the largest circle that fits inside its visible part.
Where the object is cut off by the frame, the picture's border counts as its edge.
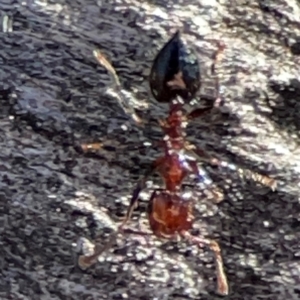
(107, 65)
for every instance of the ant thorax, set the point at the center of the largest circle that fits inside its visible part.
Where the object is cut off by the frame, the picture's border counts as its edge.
(174, 126)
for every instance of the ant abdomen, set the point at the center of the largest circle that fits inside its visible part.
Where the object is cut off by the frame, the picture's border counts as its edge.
(175, 72)
(169, 214)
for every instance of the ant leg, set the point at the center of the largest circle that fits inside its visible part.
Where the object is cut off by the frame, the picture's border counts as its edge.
(203, 177)
(140, 186)
(198, 112)
(85, 261)
(243, 173)
(215, 248)
(246, 173)
(91, 147)
(217, 58)
(123, 103)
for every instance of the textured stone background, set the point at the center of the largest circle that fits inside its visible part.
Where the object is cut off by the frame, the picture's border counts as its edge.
(54, 96)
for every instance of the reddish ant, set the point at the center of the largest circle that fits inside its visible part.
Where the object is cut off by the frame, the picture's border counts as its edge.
(175, 79)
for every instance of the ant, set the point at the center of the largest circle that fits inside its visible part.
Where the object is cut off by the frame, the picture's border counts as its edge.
(174, 79)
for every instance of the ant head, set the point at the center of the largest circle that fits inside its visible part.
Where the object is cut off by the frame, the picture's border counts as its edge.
(175, 72)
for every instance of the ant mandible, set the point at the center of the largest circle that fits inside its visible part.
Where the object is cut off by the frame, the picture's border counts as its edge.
(174, 79)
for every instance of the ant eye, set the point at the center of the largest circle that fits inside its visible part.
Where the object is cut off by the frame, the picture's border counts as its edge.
(175, 72)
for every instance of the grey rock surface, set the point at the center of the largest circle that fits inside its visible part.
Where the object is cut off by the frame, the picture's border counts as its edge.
(54, 96)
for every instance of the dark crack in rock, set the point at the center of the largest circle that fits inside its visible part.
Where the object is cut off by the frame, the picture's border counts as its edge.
(54, 199)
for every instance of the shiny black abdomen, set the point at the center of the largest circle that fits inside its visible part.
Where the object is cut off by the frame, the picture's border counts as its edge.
(175, 59)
